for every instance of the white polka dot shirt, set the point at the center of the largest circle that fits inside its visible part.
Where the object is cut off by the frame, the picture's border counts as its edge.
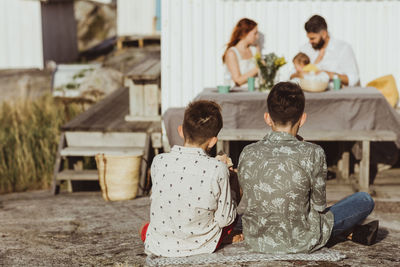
(190, 203)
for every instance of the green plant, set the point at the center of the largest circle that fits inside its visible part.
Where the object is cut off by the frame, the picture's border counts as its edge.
(268, 65)
(29, 136)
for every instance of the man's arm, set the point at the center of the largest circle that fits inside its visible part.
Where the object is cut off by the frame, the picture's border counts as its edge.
(318, 181)
(348, 68)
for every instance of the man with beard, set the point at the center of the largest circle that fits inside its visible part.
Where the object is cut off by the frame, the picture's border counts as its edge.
(332, 56)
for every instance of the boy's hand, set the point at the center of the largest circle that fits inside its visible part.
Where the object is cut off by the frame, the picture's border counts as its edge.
(234, 237)
(225, 159)
(237, 238)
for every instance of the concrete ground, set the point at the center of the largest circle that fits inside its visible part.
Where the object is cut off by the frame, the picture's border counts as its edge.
(81, 229)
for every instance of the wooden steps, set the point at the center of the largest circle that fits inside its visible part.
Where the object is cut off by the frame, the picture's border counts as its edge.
(87, 175)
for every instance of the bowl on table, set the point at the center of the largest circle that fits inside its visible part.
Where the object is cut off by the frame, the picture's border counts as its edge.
(313, 85)
(223, 89)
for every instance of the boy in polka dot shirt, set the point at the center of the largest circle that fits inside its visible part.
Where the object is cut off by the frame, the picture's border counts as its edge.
(192, 209)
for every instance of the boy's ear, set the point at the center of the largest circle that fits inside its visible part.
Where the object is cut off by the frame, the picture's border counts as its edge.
(303, 119)
(268, 120)
(213, 141)
(180, 131)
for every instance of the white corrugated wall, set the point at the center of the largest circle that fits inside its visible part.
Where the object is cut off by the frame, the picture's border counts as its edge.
(135, 17)
(21, 34)
(194, 34)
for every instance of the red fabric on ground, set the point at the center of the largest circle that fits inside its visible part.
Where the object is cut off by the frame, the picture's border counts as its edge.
(144, 231)
(227, 230)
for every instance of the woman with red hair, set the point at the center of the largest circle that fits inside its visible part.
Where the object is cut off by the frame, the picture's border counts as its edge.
(240, 52)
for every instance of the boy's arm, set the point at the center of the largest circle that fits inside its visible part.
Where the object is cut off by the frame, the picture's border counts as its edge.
(226, 206)
(318, 181)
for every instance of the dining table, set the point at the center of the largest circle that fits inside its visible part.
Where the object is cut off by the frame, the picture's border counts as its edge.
(351, 108)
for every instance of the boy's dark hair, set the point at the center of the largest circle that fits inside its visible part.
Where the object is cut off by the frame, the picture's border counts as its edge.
(316, 24)
(202, 121)
(286, 103)
(301, 58)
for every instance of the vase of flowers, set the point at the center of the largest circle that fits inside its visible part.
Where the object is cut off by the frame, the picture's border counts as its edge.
(269, 65)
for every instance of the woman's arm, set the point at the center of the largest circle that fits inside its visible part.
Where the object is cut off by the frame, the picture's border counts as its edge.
(232, 63)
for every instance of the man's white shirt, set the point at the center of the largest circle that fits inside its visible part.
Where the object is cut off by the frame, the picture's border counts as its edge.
(339, 58)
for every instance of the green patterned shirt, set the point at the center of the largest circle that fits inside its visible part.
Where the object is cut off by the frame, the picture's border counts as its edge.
(283, 182)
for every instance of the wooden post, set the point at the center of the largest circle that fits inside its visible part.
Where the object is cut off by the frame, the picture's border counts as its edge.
(57, 165)
(220, 146)
(143, 172)
(136, 98)
(150, 100)
(120, 42)
(141, 43)
(226, 147)
(344, 162)
(364, 167)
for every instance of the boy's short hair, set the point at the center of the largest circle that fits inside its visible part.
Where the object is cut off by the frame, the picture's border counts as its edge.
(202, 121)
(301, 58)
(286, 103)
(315, 24)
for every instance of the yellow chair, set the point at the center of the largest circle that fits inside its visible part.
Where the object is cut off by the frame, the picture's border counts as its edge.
(387, 86)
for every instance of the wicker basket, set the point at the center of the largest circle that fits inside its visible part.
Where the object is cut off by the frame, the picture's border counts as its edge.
(118, 176)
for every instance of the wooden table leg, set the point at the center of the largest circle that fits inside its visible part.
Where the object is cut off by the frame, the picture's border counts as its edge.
(220, 146)
(364, 167)
(226, 147)
(344, 162)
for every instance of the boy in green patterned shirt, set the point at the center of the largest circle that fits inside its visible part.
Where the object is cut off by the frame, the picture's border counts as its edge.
(283, 182)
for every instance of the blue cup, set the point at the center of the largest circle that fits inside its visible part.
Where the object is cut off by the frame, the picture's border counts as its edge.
(223, 89)
(250, 84)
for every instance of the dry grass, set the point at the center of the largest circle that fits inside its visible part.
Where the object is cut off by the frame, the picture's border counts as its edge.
(29, 135)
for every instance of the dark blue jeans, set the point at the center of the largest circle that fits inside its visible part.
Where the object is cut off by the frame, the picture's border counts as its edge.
(351, 211)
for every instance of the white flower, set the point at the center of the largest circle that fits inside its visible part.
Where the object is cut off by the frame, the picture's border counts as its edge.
(277, 202)
(286, 150)
(250, 163)
(270, 241)
(282, 225)
(263, 221)
(277, 177)
(297, 177)
(291, 195)
(281, 167)
(292, 207)
(265, 188)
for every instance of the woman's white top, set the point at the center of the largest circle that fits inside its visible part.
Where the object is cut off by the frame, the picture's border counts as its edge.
(245, 65)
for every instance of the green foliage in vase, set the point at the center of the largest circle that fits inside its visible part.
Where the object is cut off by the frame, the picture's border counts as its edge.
(269, 65)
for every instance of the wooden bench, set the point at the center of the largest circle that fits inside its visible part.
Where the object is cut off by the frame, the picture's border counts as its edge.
(80, 144)
(227, 135)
